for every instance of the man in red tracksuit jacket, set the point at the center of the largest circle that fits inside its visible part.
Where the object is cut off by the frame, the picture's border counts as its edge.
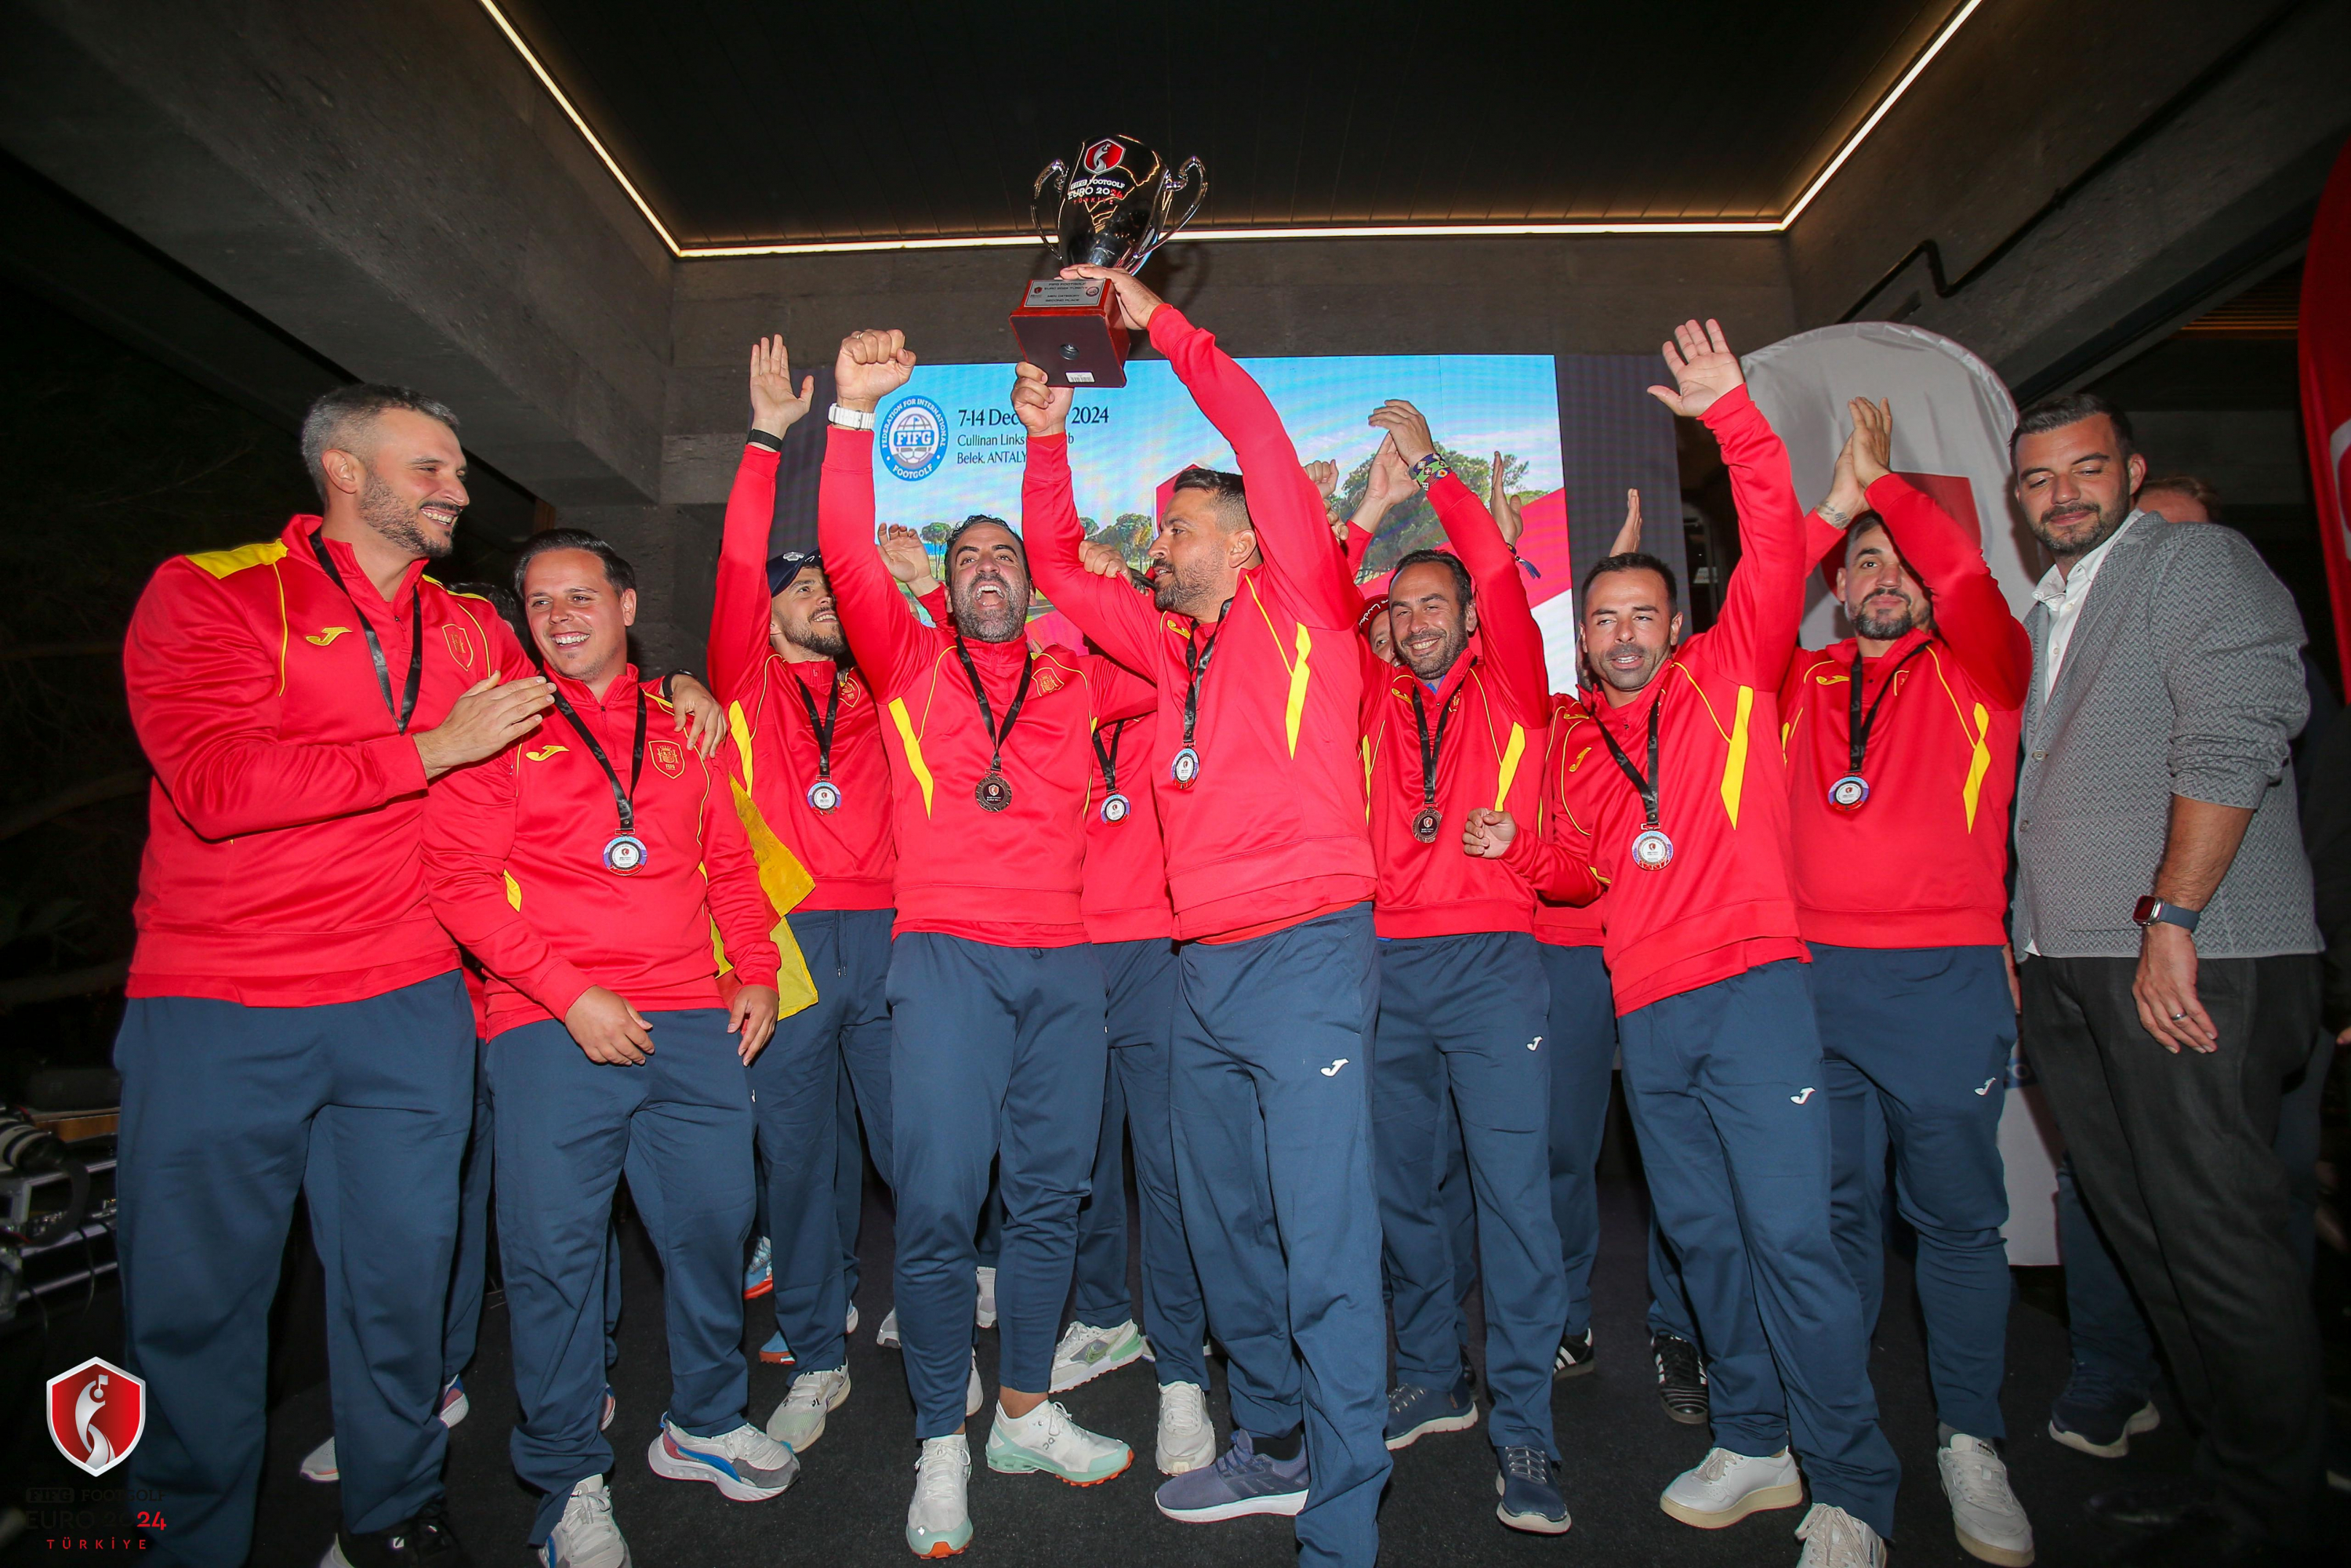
(1457, 725)
(808, 730)
(292, 996)
(587, 868)
(1681, 806)
(1258, 770)
(1901, 750)
(995, 997)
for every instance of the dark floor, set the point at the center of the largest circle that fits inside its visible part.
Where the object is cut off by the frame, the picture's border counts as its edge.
(849, 1506)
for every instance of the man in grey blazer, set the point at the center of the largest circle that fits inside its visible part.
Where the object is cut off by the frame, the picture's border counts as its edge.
(2163, 916)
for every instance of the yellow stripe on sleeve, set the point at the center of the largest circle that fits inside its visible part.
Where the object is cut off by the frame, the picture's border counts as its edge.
(920, 769)
(1510, 755)
(1978, 764)
(740, 727)
(513, 890)
(1297, 707)
(1734, 765)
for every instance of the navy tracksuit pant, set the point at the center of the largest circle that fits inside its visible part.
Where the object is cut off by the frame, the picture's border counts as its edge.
(224, 1109)
(998, 1056)
(1463, 1019)
(680, 1124)
(1916, 1043)
(1728, 1093)
(1140, 977)
(808, 1125)
(1273, 1149)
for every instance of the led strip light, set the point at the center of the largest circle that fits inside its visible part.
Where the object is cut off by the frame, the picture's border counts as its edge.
(1319, 231)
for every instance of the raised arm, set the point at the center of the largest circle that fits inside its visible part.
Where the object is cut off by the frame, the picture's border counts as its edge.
(1113, 617)
(1293, 527)
(1505, 622)
(1764, 603)
(889, 643)
(1388, 486)
(739, 611)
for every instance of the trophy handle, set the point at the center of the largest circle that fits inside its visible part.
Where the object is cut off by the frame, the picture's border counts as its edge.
(1192, 177)
(1057, 175)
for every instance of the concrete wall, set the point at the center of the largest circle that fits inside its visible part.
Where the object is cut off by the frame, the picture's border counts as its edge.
(2029, 96)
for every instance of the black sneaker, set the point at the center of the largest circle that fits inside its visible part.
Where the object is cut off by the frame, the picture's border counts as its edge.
(1530, 1496)
(1681, 1378)
(1574, 1357)
(423, 1540)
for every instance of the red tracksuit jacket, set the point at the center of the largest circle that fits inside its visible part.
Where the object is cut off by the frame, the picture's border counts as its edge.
(1924, 863)
(849, 851)
(1013, 877)
(1125, 893)
(1564, 925)
(283, 861)
(1273, 833)
(1494, 703)
(1726, 904)
(514, 849)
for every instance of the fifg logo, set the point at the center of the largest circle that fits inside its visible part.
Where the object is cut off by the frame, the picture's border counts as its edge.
(97, 1414)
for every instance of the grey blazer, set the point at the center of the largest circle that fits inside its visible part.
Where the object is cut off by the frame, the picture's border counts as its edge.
(2182, 677)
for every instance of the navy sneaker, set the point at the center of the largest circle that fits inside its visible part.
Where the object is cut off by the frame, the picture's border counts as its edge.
(1241, 1482)
(1530, 1499)
(2097, 1417)
(1413, 1412)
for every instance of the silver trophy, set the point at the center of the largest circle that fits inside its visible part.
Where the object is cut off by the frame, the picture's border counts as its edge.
(1114, 210)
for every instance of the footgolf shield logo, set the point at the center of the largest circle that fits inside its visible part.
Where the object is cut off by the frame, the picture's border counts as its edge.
(913, 439)
(97, 1414)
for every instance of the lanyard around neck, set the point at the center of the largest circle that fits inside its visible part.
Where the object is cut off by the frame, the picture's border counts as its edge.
(406, 707)
(997, 737)
(1431, 748)
(824, 726)
(1646, 784)
(1859, 727)
(1109, 759)
(624, 800)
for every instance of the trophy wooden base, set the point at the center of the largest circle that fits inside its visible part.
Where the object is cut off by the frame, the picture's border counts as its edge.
(1068, 326)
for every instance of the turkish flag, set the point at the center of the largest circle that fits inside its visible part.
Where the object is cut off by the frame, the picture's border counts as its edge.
(2325, 336)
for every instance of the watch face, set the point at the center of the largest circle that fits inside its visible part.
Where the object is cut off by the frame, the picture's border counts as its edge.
(2144, 913)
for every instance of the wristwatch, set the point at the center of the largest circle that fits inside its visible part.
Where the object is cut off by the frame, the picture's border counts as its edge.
(2151, 909)
(850, 418)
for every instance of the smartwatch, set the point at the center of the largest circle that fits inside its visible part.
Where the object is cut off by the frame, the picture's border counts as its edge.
(850, 418)
(2152, 909)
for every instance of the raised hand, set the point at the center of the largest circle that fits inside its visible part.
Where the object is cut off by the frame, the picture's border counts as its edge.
(752, 1017)
(774, 408)
(1628, 537)
(903, 553)
(488, 716)
(1484, 834)
(609, 1030)
(1406, 426)
(1324, 475)
(1502, 504)
(1872, 439)
(1135, 303)
(873, 365)
(1103, 560)
(1390, 483)
(1703, 369)
(1044, 409)
(699, 716)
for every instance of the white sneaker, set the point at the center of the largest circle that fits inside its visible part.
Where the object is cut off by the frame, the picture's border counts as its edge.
(746, 1465)
(972, 1396)
(319, 1464)
(852, 1327)
(1834, 1539)
(987, 1297)
(1047, 1442)
(1086, 1353)
(586, 1537)
(1188, 1438)
(1725, 1487)
(938, 1521)
(1990, 1523)
(454, 1403)
(887, 1336)
(798, 1421)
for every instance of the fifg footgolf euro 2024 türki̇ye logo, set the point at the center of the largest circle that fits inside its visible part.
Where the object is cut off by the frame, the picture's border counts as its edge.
(97, 1412)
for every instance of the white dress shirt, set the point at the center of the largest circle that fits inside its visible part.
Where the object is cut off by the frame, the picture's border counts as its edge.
(2065, 592)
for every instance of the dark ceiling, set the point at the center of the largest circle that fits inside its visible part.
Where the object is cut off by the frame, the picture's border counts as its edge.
(747, 120)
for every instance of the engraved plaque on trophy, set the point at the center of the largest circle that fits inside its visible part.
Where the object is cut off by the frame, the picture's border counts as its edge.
(1116, 208)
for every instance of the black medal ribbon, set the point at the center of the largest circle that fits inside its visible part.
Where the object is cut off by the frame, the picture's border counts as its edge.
(406, 707)
(1425, 824)
(823, 795)
(1114, 805)
(1187, 769)
(1646, 784)
(624, 800)
(993, 793)
(1861, 724)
